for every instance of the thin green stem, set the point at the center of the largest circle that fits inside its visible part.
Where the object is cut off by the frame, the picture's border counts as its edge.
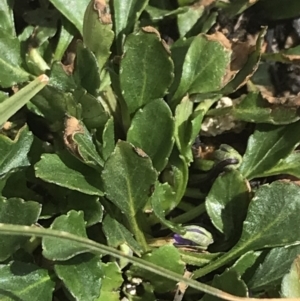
(194, 193)
(226, 258)
(219, 112)
(97, 248)
(138, 233)
(185, 206)
(190, 215)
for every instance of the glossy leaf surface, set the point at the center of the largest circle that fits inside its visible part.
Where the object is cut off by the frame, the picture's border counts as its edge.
(155, 139)
(72, 10)
(290, 286)
(97, 33)
(227, 203)
(269, 274)
(55, 169)
(126, 14)
(11, 71)
(203, 55)
(146, 69)
(129, 187)
(266, 147)
(6, 16)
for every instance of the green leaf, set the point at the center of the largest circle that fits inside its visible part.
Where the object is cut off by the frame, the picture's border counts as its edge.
(72, 10)
(54, 105)
(249, 67)
(111, 282)
(146, 69)
(186, 20)
(176, 174)
(87, 71)
(188, 124)
(267, 146)
(245, 262)
(108, 139)
(227, 203)
(66, 34)
(254, 108)
(60, 249)
(281, 202)
(183, 127)
(6, 17)
(129, 188)
(82, 276)
(290, 286)
(14, 153)
(56, 169)
(16, 185)
(203, 69)
(93, 113)
(89, 204)
(276, 264)
(97, 33)
(11, 105)
(207, 21)
(116, 235)
(26, 282)
(126, 13)
(156, 13)
(167, 256)
(237, 7)
(79, 142)
(10, 61)
(154, 138)
(289, 165)
(230, 282)
(157, 201)
(288, 55)
(46, 21)
(179, 51)
(59, 79)
(16, 211)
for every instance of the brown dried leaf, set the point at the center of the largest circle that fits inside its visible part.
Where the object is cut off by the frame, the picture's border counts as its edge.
(291, 58)
(151, 29)
(206, 3)
(288, 100)
(240, 53)
(140, 152)
(72, 126)
(103, 11)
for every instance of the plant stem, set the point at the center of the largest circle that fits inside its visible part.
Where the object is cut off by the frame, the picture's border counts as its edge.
(190, 215)
(194, 193)
(138, 233)
(185, 206)
(227, 257)
(96, 248)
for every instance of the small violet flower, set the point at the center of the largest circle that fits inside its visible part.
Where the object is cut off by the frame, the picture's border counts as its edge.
(195, 236)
